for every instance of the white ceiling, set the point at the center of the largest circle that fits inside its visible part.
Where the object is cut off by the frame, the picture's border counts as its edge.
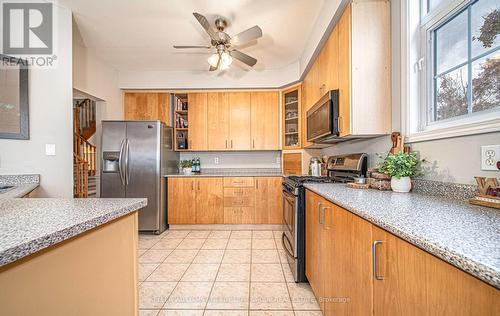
(133, 35)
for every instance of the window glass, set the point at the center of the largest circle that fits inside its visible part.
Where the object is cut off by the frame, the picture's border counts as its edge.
(451, 94)
(451, 40)
(485, 26)
(486, 83)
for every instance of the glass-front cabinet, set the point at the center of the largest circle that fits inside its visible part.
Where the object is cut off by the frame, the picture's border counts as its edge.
(291, 100)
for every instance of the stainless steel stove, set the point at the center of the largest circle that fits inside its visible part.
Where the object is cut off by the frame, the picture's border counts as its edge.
(340, 169)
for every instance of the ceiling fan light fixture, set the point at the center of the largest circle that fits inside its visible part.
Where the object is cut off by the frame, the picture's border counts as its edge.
(226, 60)
(213, 60)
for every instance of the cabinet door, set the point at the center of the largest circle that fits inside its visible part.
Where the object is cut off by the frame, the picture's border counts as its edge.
(239, 120)
(265, 120)
(344, 72)
(314, 248)
(197, 118)
(330, 51)
(268, 201)
(141, 106)
(181, 201)
(292, 163)
(209, 201)
(218, 121)
(348, 262)
(415, 282)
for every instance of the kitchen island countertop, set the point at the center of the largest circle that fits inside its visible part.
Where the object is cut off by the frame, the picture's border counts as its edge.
(461, 234)
(30, 225)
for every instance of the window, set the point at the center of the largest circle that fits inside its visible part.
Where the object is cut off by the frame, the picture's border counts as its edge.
(466, 62)
(453, 76)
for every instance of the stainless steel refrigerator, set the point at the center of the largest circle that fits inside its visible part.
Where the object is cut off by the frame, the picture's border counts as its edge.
(135, 157)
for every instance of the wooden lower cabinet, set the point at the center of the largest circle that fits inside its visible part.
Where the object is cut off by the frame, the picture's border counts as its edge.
(314, 256)
(268, 200)
(415, 282)
(195, 201)
(340, 269)
(209, 201)
(229, 200)
(181, 201)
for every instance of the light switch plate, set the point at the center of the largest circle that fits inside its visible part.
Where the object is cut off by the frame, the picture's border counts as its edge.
(278, 160)
(216, 160)
(50, 149)
(490, 155)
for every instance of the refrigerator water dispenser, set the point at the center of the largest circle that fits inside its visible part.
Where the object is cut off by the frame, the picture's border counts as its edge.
(111, 161)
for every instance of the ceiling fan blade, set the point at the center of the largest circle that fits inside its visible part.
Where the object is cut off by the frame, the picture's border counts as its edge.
(212, 68)
(249, 60)
(190, 46)
(251, 34)
(204, 23)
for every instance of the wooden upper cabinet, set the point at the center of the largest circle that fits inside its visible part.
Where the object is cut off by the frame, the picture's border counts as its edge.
(209, 201)
(181, 201)
(268, 200)
(146, 106)
(265, 120)
(344, 71)
(239, 120)
(197, 117)
(218, 120)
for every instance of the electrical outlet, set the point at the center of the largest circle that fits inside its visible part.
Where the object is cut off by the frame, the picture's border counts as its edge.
(278, 160)
(490, 156)
(216, 160)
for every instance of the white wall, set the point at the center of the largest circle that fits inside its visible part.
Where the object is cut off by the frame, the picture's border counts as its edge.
(51, 120)
(95, 78)
(241, 159)
(232, 78)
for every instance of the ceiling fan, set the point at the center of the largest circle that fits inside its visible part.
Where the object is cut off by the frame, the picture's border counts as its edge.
(225, 44)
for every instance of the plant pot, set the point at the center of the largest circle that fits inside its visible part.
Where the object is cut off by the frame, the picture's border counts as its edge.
(187, 170)
(402, 185)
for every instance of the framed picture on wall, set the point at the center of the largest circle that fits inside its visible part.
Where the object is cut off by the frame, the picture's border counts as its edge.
(14, 108)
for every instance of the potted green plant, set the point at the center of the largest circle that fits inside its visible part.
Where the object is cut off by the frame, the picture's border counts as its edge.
(400, 167)
(186, 166)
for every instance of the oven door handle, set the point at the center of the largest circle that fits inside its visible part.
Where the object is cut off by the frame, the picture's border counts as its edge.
(288, 252)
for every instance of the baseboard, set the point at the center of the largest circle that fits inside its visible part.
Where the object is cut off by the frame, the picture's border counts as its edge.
(227, 227)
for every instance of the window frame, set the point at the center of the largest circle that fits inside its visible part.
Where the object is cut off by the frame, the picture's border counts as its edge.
(418, 66)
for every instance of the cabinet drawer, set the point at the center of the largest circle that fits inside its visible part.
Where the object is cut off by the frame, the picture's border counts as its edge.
(238, 192)
(239, 201)
(238, 182)
(238, 215)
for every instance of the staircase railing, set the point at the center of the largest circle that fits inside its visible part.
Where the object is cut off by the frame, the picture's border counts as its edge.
(81, 175)
(84, 113)
(86, 152)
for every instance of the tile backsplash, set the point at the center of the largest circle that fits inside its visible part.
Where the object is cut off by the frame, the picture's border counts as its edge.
(240, 159)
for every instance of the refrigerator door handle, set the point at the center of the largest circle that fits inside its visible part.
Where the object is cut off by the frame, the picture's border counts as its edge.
(127, 167)
(121, 166)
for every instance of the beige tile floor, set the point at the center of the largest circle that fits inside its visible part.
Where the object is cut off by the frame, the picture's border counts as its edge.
(184, 272)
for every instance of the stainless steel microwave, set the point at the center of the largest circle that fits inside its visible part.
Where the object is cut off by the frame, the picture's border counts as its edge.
(323, 119)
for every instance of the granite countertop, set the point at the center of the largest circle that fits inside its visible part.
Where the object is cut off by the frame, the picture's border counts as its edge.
(30, 225)
(461, 234)
(232, 172)
(22, 185)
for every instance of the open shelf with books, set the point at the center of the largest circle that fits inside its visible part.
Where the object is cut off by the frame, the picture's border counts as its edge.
(181, 121)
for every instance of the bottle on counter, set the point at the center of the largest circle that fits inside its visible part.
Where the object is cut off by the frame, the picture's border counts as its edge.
(198, 165)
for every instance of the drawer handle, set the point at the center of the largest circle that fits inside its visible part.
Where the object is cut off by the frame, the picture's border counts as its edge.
(374, 254)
